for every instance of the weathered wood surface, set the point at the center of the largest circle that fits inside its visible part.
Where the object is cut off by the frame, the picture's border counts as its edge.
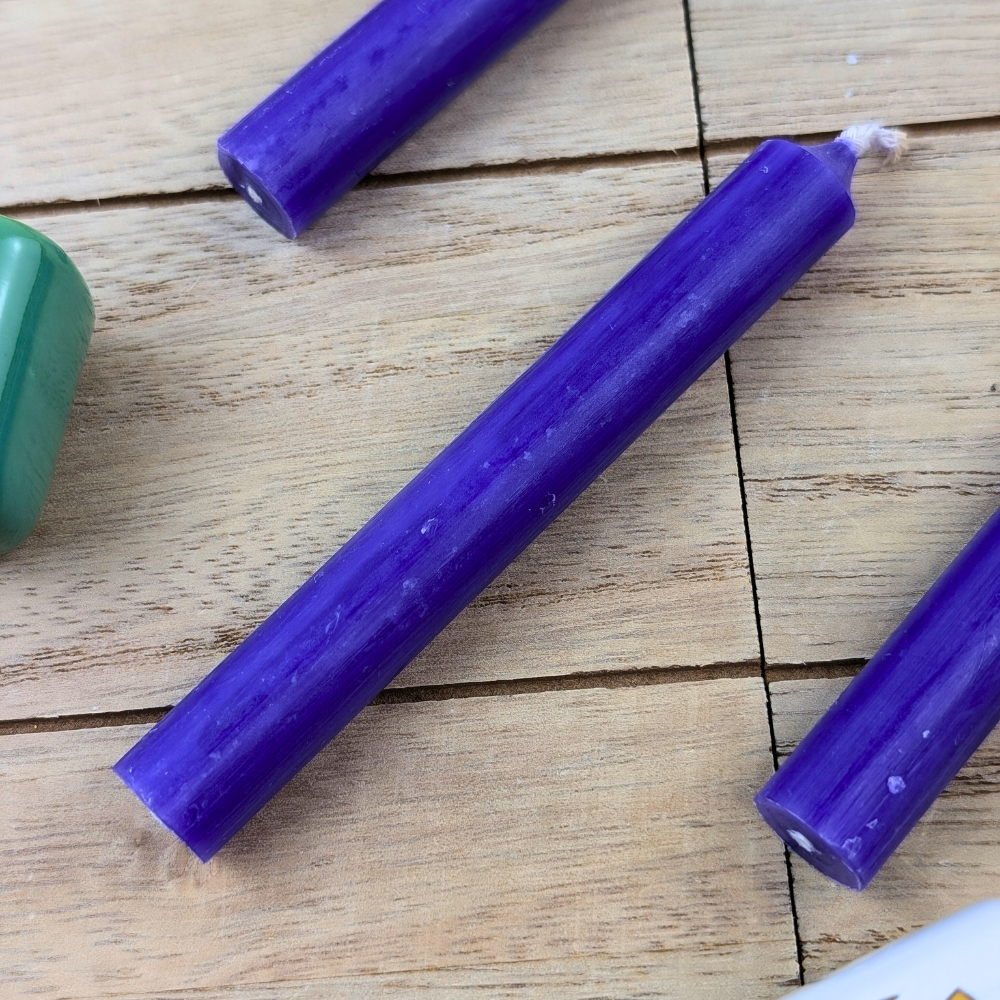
(784, 67)
(247, 403)
(948, 861)
(122, 97)
(868, 407)
(566, 844)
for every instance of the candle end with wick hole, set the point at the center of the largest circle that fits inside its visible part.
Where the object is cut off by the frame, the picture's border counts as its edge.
(836, 861)
(255, 193)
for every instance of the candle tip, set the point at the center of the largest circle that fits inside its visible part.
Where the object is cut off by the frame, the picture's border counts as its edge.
(872, 138)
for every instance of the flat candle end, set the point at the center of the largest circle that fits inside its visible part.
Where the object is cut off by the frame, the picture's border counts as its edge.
(255, 193)
(124, 772)
(833, 860)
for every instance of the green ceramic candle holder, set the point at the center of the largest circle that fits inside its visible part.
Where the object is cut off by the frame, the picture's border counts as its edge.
(46, 319)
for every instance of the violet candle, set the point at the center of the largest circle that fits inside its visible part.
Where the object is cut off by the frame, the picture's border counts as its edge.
(901, 730)
(367, 92)
(296, 681)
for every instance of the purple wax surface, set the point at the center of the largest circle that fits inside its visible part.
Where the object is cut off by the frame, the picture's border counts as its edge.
(296, 681)
(901, 730)
(324, 129)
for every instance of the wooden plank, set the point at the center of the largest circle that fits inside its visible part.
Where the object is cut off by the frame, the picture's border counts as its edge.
(559, 844)
(126, 97)
(782, 67)
(867, 405)
(947, 862)
(248, 403)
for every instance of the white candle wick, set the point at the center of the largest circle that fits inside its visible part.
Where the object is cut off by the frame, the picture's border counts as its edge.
(872, 138)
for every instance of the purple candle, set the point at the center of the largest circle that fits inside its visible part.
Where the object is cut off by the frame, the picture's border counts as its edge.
(296, 681)
(901, 730)
(367, 92)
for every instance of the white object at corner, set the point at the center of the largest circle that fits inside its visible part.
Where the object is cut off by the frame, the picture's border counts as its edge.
(957, 958)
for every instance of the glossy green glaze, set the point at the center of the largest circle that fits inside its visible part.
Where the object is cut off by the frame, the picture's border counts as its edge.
(46, 318)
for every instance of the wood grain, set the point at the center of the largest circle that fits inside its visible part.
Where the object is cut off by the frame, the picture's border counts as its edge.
(783, 67)
(947, 862)
(121, 97)
(567, 844)
(248, 403)
(868, 407)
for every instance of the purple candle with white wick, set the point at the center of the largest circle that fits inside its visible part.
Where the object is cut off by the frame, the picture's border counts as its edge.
(368, 91)
(871, 767)
(296, 681)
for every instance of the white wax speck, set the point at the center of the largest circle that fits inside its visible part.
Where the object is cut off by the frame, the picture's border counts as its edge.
(852, 845)
(849, 92)
(852, 59)
(428, 525)
(254, 197)
(803, 841)
(872, 824)
(896, 784)
(927, 733)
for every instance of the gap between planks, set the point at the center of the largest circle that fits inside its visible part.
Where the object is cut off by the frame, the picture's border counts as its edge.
(441, 175)
(521, 168)
(956, 126)
(820, 670)
(429, 692)
(703, 154)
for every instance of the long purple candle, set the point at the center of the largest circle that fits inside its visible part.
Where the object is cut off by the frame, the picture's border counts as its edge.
(901, 730)
(323, 129)
(283, 694)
